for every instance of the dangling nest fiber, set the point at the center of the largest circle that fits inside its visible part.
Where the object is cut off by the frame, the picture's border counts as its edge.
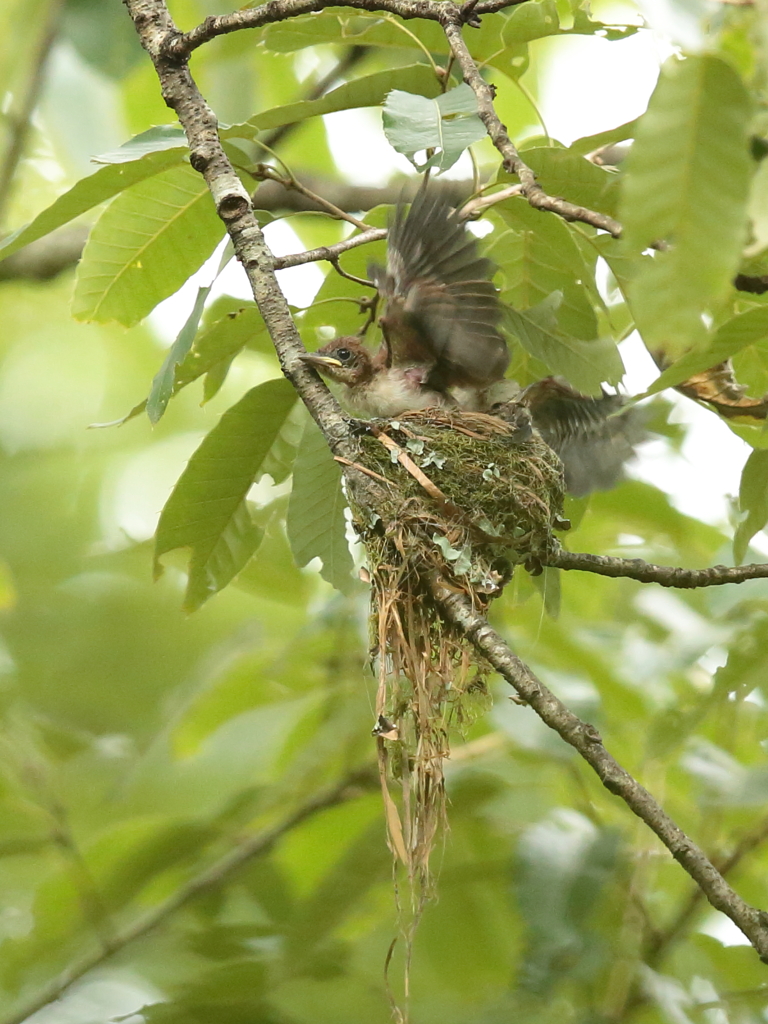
(463, 500)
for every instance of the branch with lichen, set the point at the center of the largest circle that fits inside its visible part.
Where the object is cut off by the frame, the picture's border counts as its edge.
(647, 572)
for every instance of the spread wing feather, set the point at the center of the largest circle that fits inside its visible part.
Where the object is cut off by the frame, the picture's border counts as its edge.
(440, 301)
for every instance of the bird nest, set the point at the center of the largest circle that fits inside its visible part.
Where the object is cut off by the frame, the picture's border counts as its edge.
(459, 500)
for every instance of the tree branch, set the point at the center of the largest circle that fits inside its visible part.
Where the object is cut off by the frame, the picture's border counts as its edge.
(664, 575)
(584, 738)
(254, 846)
(181, 45)
(513, 163)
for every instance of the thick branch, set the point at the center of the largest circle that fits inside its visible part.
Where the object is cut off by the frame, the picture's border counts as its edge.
(664, 575)
(586, 740)
(254, 846)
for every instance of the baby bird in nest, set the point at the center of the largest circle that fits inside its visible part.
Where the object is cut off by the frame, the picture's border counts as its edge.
(442, 348)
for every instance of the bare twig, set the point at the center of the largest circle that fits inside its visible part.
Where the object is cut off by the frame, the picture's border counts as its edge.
(513, 163)
(329, 252)
(664, 575)
(254, 846)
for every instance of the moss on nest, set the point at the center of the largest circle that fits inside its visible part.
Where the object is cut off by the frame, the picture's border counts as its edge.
(494, 500)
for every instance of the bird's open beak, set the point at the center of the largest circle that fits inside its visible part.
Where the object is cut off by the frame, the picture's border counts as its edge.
(314, 359)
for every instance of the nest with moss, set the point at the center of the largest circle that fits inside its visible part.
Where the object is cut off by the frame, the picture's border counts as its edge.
(461, 500)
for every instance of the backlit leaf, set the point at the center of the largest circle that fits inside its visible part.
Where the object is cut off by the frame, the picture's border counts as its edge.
(687, 184)
(315, 521)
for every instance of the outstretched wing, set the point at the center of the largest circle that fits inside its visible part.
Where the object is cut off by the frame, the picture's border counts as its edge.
(441, 305)
(594, 437)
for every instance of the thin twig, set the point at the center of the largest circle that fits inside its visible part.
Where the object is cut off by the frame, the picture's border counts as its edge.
(329, 252)
(497, 132)
(647, 572)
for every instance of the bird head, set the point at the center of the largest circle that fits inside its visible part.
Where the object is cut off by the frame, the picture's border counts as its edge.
(343, 360)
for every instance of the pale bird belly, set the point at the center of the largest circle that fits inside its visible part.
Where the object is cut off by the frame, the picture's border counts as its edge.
(392, 395)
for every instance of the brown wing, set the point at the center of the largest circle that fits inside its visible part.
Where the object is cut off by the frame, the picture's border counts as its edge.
(592, 436)
(441, 305)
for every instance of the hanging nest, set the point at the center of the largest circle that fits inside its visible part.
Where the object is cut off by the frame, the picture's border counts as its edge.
(459, 498)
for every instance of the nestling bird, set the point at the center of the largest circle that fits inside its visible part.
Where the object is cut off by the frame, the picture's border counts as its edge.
(442, 348)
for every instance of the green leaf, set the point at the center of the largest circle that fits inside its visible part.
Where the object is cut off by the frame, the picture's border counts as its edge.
(585, 364)
(207, 511)
(448, 124)
(736, 334)
(154, 140)
(687, 183)
(315, 520)
(589, 143)
(162, 384)
(753, 501)
(561, 172)
(358, 28)
(530, 21)
(164, 381)
(144, 247)
(369, 91)
(539, 256)
(214, 349)
(91, 191)
(103, 36)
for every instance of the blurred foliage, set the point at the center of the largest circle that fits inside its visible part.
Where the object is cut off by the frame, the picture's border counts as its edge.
(188, 802)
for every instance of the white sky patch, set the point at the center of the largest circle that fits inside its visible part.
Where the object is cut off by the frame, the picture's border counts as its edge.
(299, 284)
(591, 85)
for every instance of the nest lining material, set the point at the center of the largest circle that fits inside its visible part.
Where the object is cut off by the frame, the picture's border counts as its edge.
(464, 499)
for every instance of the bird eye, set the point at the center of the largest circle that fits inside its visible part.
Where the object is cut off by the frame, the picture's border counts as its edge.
(343, 354)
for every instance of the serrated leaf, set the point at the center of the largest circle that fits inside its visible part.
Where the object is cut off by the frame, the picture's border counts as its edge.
(97, 188)
(315, 520)
(206, 511)
(539, 256)
(585, 364)
(144, 246)
(753, 501)
(730, 338)
(687, 183)
(369, 91)
(448, 124)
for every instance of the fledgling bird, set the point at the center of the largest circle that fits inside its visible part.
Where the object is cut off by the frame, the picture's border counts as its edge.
(442, 348)
(441, 345)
